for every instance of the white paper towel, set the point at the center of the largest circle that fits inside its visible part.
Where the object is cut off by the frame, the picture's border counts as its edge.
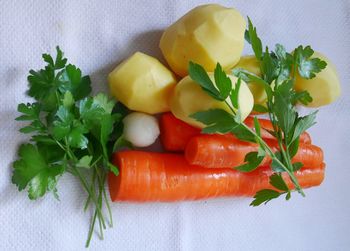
(96, 35)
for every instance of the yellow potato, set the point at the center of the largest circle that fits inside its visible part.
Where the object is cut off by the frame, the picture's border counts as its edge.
(189, 98)
(206, 35)
(324, 88)
(142, 84)
(251, 64)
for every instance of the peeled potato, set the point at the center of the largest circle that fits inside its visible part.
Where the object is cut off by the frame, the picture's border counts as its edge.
(189, 98)
(142, 84)
(324, 88)
(206, 35)
(251, 64)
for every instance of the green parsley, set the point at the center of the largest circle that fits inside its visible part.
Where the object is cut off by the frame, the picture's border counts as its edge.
(71, 132)
(279, 69)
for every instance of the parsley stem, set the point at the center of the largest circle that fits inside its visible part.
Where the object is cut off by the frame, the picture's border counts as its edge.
(93, 180)
(97, 160)
(100, 185)
(271, 153)
(91, 229)
(274, 157)
(92, 194)
(60, 145)
(108, 207)
(101, 223)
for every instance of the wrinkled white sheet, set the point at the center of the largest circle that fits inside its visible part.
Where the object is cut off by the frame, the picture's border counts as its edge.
(96, 35)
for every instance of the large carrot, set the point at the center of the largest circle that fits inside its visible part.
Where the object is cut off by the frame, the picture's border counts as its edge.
(147, 176)
(218, 151)
(175, 133)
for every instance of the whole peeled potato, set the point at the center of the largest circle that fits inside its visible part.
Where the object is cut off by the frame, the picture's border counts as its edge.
(324, 88)
(206, 35)
(188, 98)
(142, 84)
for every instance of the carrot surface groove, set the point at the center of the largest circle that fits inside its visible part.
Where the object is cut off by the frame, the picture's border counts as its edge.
(151, 177)
(219, 151)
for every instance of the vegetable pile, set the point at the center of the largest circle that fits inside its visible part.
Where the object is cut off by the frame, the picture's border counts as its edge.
(215, 141)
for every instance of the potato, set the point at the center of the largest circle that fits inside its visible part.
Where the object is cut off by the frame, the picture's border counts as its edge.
(189, 98)
(142, 84)
(251, 64)
(324, 88)
(206, 35)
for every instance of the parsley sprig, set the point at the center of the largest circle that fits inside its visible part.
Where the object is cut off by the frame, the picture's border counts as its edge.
(278, 74)
(71, 132)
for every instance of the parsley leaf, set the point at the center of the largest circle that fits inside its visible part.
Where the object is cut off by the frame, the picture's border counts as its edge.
(294, 147)
(76, 137)
(122, 143)
(234, 97)
(62, 126)
(71, 80)
(222, 81)
(242, 133)
(284, 63)
(252, 37)
(253, 161)
(90, 111)
(216, 120)
(275, 165)
(269, 67)
(302, 97)
(60, 61)
(297, 166)
(31, 112)
(33, 170)
(264, 196)
(85, 161)
(307, 66)
(102, 101)
(302, 124)
(199, 75)
(282, 107)
(277, 181)
(48, 85)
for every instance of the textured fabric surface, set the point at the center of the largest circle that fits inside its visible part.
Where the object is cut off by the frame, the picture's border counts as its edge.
(96, 35)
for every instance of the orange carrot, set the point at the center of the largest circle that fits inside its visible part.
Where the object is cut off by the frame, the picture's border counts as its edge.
(175, 133)
(266, 125)
(147, 176)
(219, 151)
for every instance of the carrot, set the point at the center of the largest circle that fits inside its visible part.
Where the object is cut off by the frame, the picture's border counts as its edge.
(147, 176)
(220, 151)
(175, 133)
(267, 126)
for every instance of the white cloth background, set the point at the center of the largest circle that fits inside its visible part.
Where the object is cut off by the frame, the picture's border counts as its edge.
(96, 35)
